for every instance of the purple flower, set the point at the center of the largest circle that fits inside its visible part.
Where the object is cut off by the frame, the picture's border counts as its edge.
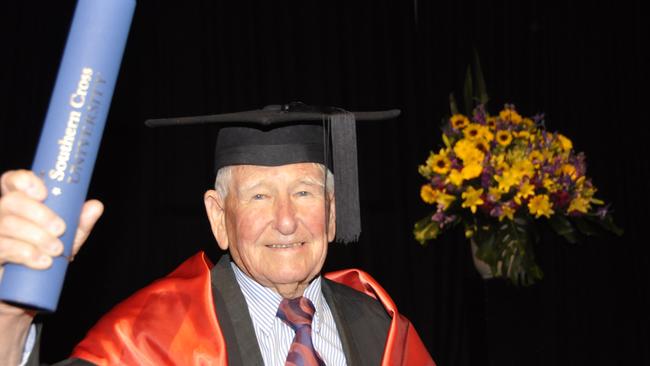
(602, 212)
(496, 211)
(580, 164)
(479, 114)
(442, 218)
(486, 178)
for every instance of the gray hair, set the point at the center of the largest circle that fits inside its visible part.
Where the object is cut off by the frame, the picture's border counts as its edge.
(224, 176)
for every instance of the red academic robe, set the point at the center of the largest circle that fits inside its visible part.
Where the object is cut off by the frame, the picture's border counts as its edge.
(173, 322)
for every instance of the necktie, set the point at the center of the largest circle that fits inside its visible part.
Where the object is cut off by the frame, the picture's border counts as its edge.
(298, 314)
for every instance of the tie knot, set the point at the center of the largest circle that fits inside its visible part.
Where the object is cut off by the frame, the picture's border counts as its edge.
(297, 313)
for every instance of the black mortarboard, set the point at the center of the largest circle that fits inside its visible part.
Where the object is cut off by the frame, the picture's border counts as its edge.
(294, 133)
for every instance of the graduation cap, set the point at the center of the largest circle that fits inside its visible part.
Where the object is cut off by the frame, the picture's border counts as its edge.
(294, 133)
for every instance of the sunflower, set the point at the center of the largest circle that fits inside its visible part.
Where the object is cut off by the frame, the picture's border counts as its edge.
(528, 122)
(458, 121)
(440, 163)
(472, 132)
(466, 150)
(511, 115)
(504, 137)
(482, 146)
(491, 122)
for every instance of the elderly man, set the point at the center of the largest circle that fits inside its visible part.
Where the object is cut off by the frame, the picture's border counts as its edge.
(266, 303)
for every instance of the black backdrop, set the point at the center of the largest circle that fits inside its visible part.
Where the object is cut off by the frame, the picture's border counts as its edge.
(585, 65)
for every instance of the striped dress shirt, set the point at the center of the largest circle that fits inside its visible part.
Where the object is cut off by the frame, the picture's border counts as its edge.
(274, 336)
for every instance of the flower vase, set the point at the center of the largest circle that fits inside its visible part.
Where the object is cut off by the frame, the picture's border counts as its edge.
(482, 268)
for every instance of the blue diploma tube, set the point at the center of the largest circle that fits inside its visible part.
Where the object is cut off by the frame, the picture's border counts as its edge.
(71, 135)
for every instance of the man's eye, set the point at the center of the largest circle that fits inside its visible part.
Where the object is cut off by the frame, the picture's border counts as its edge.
(258, 196)
(303, 193)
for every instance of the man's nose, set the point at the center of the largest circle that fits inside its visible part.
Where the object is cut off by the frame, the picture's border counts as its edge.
(285, 216)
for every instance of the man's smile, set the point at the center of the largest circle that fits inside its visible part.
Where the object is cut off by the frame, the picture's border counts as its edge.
(285, 246)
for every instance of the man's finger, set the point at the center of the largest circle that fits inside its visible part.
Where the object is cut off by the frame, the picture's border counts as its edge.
(90, 213)
(19, 252)
(24, 181)
(20, 229)
(19, 204)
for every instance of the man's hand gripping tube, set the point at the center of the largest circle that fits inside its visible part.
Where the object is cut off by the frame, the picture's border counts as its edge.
(71, 135)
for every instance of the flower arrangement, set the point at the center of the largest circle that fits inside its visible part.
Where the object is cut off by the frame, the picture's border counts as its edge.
(499, 176)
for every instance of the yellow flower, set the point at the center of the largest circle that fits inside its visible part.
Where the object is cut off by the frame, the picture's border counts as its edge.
(548, 154)
(523, 168)
(472, 132)
(472, 198)
(549, 184)
(420, 235)
(476, 132)
(565, 142)
(491, 122)
(440, 163)
(499, 161)
(579, 204)
(507, 211)
(455, 178)
(494, 194)
(525, 135)
(444, 200)
(428, 194)
(482, 146)
(506, 180)
(466, 150)
(425, 171)
(536, 157)
(540, 205)
(510, 115)
(486, 134)
(528, 122)
(471, 171)
(458, 121)
(570, 170)
(525, 190)
(504, 137)
(588, 192)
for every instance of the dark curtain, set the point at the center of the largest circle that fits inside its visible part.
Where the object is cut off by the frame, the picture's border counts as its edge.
(585, 65)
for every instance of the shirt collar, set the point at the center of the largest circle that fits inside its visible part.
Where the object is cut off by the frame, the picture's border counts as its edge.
(263, 302)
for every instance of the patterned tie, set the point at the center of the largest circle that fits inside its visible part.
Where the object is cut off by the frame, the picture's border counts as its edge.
(298, 314)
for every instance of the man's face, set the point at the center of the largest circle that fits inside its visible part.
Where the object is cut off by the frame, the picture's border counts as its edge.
(274, 224)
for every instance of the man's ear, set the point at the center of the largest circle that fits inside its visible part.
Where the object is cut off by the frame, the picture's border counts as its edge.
(215, 208)
(331, 219)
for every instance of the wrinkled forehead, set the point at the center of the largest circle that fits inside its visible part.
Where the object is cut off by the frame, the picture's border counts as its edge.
(246, 176)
